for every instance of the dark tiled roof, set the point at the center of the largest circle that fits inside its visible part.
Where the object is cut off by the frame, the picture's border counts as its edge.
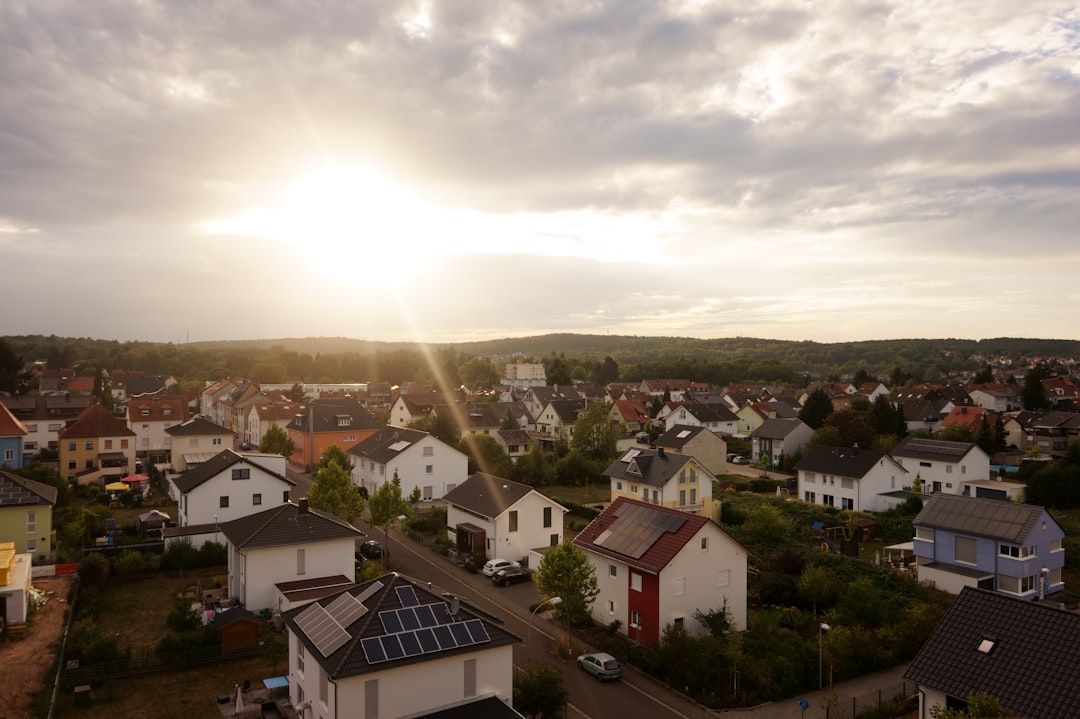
(647, 466)
(486, 494)
(567, 409)
(48, 407)
(285, 525)
(1031, 668)
(841, 461)
(96, 422)
(16, 491)
(490, 707)
(204, 471)
(514, 436)
(197, 427)
(996, 518)
(776, 428)
(675, 438)
(664, 547)
(349, 659)
(231, 616)
(324, 414)
(380, 447)
(937, 449)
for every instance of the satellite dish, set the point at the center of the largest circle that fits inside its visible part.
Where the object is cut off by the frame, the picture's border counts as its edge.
(455, 605)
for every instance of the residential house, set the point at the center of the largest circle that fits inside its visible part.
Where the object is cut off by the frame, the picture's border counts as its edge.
(663, 478)
(26, 508)
(502, 519)
(537, 398)
(924, 414)
(262, 416)
(1051, 433)
(777, 438)
(556, 421)
(751, 417)
(524, 375)
(715, 418)
(285, 543)
(943, 466)
(629, 415)
(44, 417)
(97, 448)
(148, 417)
(515, 442)
(850, 478)
(138, 384)
(418, 459)
(970, 417)
(872, 390)
(195, 441)
(343, 422)
(997, 397)
(698, 442)
(393, 648)
(1024, 654)
(404, 410)
(658, 566)
(1061, 391)
(12, 437)
(672, 389)
(227, 486)
(992, 544)
(56, 381)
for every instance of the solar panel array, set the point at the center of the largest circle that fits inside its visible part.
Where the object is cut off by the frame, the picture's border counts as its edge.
(324, 631)
(636, 529)
(407, 596)
(936, 446)
(346, 609)
(425, 640)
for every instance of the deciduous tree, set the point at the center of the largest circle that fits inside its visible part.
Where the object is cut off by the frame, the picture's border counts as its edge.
(276, 441)
(594, 435)
(332, 491)
(816, 408)
(566, 572)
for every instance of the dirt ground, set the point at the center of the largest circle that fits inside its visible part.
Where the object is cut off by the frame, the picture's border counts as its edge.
(27, 660)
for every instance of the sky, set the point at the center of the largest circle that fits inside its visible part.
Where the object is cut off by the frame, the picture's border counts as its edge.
(835, 170)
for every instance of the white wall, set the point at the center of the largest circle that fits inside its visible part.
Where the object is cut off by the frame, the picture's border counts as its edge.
(449, 468)
(266, 567)
(698, 572)
(203, 503)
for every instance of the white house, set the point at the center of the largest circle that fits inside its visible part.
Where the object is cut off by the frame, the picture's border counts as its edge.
(778, 438)
(715, 418)
(195, 441)
(503, 519)
(656, 476)
(524, 375)
(419, 459)
(286, 543)
(228, 486)
(149, 417)
(949, 467)
(261, 416)
(392, 648)
(850, 478)
(657, 566)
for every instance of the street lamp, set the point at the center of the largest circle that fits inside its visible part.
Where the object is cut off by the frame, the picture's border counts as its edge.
(386, 540)
(822, 628)
(553, 601)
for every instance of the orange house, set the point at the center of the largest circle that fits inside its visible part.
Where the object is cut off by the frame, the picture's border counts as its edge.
(324, 422)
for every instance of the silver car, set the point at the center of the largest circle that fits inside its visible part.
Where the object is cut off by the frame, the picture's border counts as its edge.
(601, 665)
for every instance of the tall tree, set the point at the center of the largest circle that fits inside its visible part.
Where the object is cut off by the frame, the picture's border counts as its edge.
(276, 441)
(536, 468)
(594, 435)
(1034, 394)
(566, 572)
(295, 393)
(332, 491)
(556, 370)
(816, 408)
(334, 454)
(387, 502)
(478, 372)
(983, 376)
(817, 585)
(609, 371)
(486, 455)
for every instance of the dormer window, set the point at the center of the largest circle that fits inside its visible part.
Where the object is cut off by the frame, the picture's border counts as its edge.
(144, 412)
(344, 420)
(167, 411)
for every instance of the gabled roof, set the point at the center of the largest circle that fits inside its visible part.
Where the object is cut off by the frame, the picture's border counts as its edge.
(197, 427)
(48, 407)
(776, 428)
(274, 411)
(286, 525)
(934, 449)
(96, 421)
(567, 409)
(999, 519)
(969, 416)
(325, 415)
(9, 425)
(16, 491)
(653, 467)
(513, 436)
(205, 471)
(488, 495)
(842, 461)
(157, 409)
(388, 444)
(645, 536)
(632, 410)
(373, 610)
(922, 410)
(679, 435)
(1023, 653)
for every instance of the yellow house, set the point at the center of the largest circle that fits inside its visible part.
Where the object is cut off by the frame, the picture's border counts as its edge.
(656, 476)
(26, 516)
(97, 448)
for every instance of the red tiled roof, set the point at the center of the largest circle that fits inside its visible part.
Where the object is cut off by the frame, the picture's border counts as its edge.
(156, 409)
(97, 421)
(10, 426)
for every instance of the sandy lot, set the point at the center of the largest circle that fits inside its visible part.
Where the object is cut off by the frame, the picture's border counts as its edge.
(27, 660)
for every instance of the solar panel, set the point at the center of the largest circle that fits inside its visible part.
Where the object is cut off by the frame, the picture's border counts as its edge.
(427, 640)
(407, 596)
(369, 591)
(683, 434)
(399, 445)
(461, 634)
(390, 621)
(373, 650)
(408, 619)
(477, 630)
(346, 609)
(442, 613)
(392, 647)
(410, 644)
(425, 616)
(322, 629)
(444, 637)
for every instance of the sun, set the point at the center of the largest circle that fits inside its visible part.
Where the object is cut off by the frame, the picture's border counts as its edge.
(345, 220)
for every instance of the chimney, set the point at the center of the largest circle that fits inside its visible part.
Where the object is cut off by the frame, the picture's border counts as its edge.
(302, 506)
(660, 452)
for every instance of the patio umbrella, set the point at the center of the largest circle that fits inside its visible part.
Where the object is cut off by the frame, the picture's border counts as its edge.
(116, 487)
(239, 700)
(135, 478)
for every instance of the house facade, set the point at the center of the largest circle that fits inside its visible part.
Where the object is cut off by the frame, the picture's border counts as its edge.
(12, 437)
(195, 441)
(502, 519)
(343, 422)
(705, 446)
(420, 461)
(942, 466)
(26, 516)
(1015, 549)
(850, 478)
(398, 650)
(97, 448)
(658, 566)
(149, 417)
(658, 477)
(44, 417)
(778, 438)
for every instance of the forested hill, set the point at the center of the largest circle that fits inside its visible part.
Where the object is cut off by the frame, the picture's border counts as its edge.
(801, 356)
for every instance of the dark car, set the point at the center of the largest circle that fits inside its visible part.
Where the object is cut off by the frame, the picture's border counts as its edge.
(510, 575)
(371, 549)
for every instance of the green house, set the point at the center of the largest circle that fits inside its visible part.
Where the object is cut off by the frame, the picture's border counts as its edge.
(26, 509)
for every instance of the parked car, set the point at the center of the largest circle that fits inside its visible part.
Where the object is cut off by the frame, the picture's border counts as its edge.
(510, 575)
(601, 665)
(494, 565)
(739, 459)
(245, 446)
(643, 437)
(371, 549)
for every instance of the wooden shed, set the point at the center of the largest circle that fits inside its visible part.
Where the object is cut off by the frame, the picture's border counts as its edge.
(238, 629)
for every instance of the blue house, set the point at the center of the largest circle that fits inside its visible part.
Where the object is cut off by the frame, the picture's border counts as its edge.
(12, 433)
(1014, 549)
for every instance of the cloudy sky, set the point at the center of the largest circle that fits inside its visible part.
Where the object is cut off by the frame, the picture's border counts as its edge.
(832, 170)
